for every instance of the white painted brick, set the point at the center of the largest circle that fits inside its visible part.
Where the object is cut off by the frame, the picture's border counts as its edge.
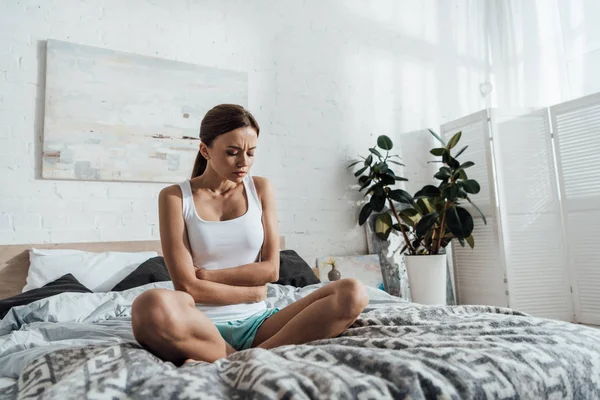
(134, 191)
(135, 219)
(56, 221)
(27, 221)
(314, 115)
(115, 206)
(5, 222)
(54, 205)
(108, 221)
(75, 235)
(32, 236)
(80, 221)
(12, 206)
(80, 190)
(126, 234)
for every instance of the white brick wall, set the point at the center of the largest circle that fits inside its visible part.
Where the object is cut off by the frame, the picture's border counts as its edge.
(326, 77)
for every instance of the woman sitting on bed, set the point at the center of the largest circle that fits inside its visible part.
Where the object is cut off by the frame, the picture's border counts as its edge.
(220, 241)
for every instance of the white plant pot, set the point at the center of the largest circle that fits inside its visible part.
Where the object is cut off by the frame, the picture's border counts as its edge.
(427, 278)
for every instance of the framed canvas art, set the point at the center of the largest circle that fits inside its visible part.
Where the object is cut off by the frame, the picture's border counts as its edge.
(115, 116)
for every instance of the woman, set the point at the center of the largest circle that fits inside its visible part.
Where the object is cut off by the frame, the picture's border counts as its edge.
(220, 241)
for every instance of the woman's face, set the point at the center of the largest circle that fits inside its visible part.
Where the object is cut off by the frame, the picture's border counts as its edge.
(232, 154)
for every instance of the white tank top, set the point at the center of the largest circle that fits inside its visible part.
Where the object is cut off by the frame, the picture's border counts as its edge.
(225, 244)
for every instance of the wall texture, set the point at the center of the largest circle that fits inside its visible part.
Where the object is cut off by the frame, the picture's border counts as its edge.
(326, 77)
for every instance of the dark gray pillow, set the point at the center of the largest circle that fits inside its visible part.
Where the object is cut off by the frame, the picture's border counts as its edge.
(66, 283)
(294, 271)
(151, 270)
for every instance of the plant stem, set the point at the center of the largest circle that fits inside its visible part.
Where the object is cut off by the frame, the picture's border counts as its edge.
(412, 249)
(442, 229)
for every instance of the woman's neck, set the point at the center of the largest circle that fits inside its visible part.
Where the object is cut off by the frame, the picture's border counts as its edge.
(213, 182)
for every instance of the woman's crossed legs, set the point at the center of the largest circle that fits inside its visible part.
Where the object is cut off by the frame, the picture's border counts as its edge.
(168, 323)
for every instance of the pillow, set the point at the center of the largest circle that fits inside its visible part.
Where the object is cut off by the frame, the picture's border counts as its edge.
(152, 270)
(66, 283)
(97, 271)
(294, 271)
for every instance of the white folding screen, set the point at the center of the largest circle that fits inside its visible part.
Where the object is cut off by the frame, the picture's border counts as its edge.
(576, 126)
(479, 272)
(532, 228)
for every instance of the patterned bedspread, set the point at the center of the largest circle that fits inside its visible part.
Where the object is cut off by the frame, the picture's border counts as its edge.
(401, 352)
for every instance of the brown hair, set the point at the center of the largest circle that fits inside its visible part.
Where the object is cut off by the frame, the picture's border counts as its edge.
(217, 121)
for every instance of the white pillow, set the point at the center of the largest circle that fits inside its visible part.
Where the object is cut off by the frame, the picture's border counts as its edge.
(99, 272)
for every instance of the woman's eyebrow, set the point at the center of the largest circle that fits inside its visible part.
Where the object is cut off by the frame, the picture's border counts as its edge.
(239, 148)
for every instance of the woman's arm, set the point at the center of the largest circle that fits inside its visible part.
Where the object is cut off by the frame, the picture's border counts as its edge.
(178, 257)
(267, 270)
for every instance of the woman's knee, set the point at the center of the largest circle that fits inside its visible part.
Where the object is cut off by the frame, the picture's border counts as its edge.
(352, 297)
(156, 309)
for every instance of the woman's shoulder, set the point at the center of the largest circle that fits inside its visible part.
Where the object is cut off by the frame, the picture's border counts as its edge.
(170, 195)
(261, 183)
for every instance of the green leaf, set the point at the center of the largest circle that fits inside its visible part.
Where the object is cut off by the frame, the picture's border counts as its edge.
(467, 164)
(401, 196)
(426, 223)
(376, 189)
(360, 171)
(399, 178)
(397, 227)
(471, 241)
(407, 215)
(461, 151)
(353, 164)
(374, 151)
(423, 206)
(450, 192)
(369, 160)
(454, 140)
(364, 213)
(437, 137)
(461, 174)
(443, 174)
(470, 186)
(478, 210)
(438, 151)
(459, 221)
(366, 183)
(385, 142)
(383, 167)
(387, 180)
(461, 241)
(397, 163)
(428, 191)
(452, 162)
(383, 226)
(377, 202)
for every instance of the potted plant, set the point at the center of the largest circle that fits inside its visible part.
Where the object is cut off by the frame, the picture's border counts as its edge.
(429, 220)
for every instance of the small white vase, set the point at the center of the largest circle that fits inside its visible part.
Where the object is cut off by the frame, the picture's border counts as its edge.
(427, 278)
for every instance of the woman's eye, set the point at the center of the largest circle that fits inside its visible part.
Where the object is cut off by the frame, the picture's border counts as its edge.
(250, 154)
(231, 153)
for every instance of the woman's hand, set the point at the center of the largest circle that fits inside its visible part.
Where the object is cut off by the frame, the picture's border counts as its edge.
(201, 273)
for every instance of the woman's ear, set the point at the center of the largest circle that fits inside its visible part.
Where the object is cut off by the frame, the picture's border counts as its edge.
(204, 151)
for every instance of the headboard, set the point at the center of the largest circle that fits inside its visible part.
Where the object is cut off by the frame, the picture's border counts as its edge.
(14, 259)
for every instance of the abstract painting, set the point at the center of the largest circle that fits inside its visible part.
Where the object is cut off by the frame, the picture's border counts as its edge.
(365, 268)
(123, 117)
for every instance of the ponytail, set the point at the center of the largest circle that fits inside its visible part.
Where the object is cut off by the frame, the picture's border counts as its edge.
(199, 165)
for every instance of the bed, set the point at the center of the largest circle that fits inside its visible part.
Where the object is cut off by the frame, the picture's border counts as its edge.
(77, 345)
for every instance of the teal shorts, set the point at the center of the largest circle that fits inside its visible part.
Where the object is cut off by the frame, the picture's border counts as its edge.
(240, 334)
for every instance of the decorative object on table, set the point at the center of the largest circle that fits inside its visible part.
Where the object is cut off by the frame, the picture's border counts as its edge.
(428, 221)
(391, 259)
(365, 268)
(123, 117)
(334, 274)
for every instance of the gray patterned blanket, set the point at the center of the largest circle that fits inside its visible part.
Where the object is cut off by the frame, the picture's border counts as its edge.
(401, 352)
